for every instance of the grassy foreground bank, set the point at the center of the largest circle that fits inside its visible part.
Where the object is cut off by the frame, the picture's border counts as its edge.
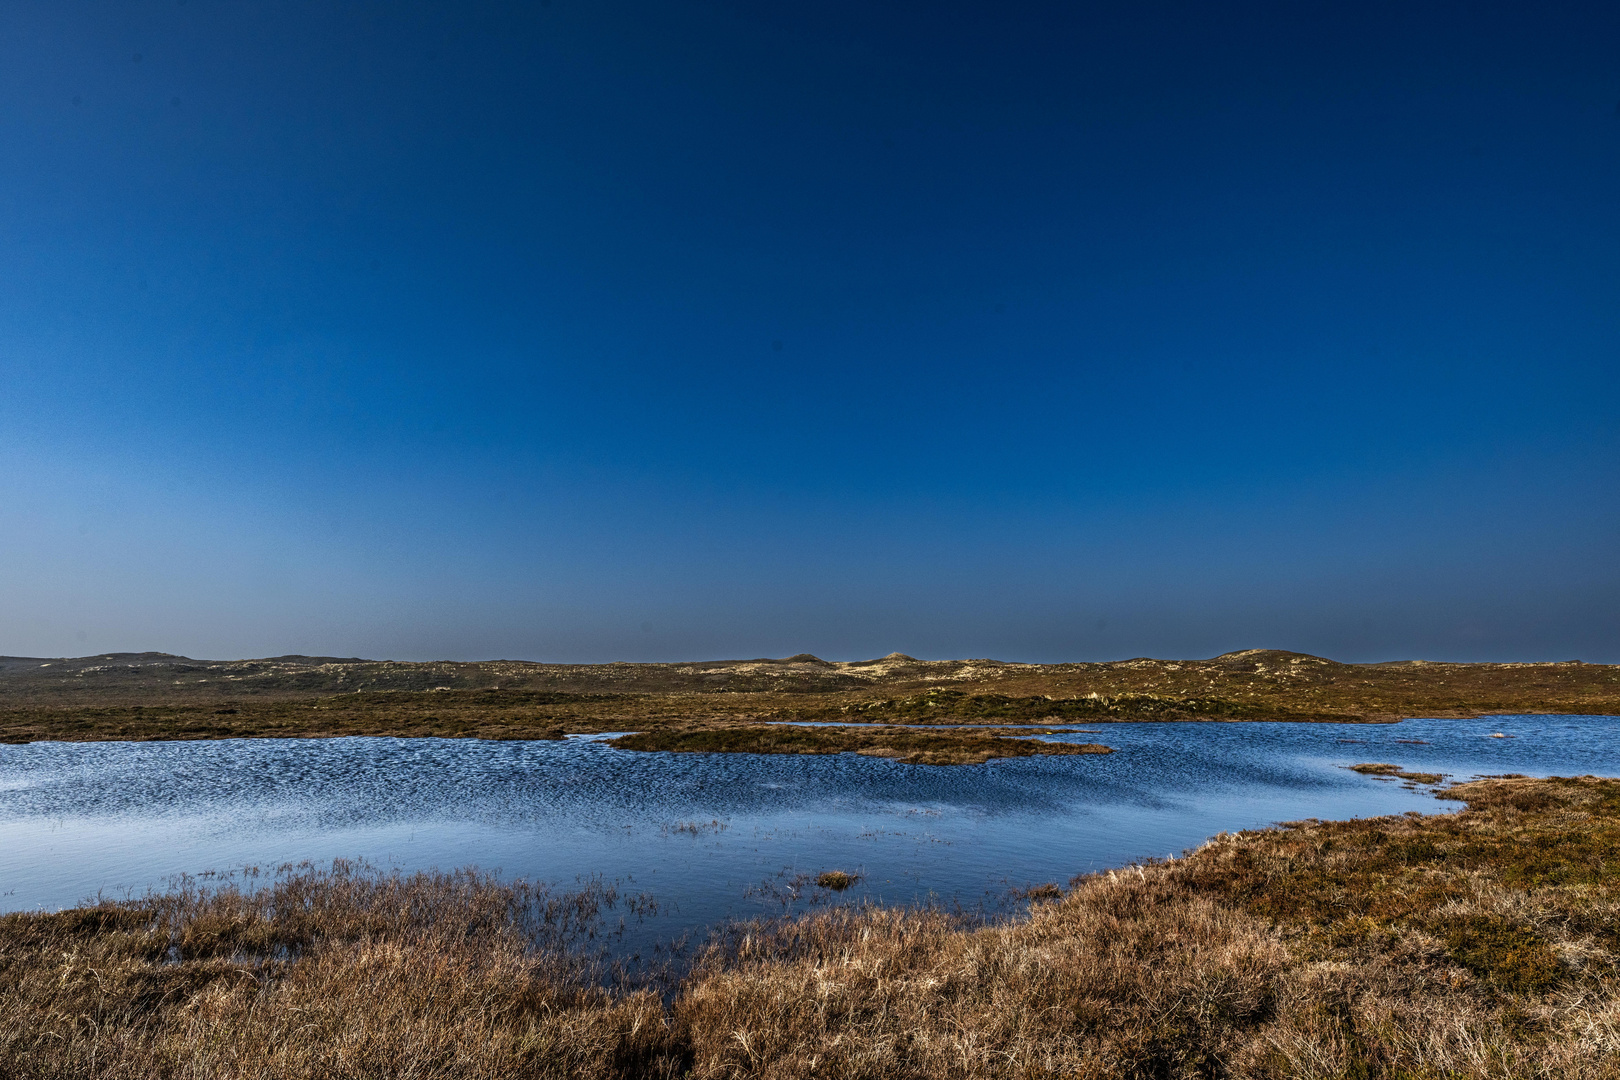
(1480, 944)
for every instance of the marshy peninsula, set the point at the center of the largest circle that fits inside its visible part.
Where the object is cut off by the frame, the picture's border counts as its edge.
(1265, 864)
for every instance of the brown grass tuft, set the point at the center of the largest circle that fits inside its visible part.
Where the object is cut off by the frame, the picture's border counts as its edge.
(324, 974)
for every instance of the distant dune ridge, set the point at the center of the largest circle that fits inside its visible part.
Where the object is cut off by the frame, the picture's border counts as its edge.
(167, 673)
(1232, 685)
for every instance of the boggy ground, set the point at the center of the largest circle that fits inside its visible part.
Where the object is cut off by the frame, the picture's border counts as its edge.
(156, 696)
(910, 745)
(1480, 944)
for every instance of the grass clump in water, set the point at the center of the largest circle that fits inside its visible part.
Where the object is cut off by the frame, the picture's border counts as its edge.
(1047, 891)
(836, 880)
(1397, 773)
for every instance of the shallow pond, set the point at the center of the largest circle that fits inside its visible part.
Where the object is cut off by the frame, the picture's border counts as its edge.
(711, 836)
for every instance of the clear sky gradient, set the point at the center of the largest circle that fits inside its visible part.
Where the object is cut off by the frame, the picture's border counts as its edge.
(648, 331)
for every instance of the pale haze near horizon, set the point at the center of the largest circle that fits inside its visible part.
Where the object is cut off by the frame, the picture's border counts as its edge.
(627, 332)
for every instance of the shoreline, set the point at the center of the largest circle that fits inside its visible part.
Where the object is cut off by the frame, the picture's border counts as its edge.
(1427, 933)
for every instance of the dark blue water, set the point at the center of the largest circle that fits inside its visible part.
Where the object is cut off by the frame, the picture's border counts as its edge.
(717, 835)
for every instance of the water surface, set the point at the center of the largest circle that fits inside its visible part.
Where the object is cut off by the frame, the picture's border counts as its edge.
(702, 832)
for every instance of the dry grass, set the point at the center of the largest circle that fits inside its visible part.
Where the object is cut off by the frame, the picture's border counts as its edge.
(910, 745)
(1449, 947)
(1481, 945)
(331, 973)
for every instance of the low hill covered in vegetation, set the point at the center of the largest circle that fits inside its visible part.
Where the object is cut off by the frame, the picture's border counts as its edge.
(155, 696)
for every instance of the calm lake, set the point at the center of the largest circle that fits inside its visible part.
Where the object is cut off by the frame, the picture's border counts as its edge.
(711, 836)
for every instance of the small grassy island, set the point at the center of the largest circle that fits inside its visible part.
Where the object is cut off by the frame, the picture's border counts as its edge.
(1395, 772)
(1470, 945)
(913, 746)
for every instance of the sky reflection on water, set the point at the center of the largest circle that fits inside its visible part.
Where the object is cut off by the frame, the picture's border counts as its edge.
(699, 830)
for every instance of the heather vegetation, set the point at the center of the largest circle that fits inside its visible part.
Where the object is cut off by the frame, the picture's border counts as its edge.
(1470, 945)
(152, 696)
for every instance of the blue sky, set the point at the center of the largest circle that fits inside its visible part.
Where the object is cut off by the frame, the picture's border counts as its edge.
(639, 331)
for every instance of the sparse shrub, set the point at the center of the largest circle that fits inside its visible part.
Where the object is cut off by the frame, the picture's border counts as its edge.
(1511, 957)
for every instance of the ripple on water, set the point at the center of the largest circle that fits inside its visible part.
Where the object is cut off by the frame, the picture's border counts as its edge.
(78, 818)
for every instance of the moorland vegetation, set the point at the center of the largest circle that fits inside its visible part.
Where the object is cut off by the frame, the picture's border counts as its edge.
(154, 696)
